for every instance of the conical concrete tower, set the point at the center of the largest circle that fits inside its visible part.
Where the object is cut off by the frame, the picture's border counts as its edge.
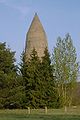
(35, 38)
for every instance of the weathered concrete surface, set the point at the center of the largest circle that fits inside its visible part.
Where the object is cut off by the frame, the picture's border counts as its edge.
(35, 38)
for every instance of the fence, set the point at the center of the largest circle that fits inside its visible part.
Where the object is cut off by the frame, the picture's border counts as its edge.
(69, 110)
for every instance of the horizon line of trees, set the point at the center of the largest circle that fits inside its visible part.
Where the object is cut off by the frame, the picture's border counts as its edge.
(37, 83)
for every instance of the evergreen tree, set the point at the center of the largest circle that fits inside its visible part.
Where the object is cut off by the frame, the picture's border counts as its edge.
(65, 68)
(50, 93)
(38, 81)
(11, 92)
(30, 72)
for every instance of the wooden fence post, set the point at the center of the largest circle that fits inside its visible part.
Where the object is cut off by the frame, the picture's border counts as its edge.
(65, 108)
(45, 110)
(28, 110)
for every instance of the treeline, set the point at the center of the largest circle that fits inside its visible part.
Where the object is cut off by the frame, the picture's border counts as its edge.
(36, 83)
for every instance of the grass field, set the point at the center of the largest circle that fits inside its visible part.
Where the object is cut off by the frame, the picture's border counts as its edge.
(39, 114)
(39, 117)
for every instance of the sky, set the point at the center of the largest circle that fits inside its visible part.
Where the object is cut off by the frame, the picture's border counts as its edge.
(58, 18)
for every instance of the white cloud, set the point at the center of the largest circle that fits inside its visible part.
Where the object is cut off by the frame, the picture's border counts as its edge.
(22, 9)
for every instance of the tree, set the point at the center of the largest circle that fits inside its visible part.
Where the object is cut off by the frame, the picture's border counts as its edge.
(30, 70)
(50, 94)
(38, 80)
(65, 66)
(6, 59)
(11, 91)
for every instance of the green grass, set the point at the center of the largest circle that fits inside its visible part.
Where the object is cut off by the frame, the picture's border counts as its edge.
(39, 114)
(39, 117)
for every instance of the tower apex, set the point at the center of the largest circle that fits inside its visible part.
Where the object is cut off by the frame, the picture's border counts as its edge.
(36, 38)
(36, 14)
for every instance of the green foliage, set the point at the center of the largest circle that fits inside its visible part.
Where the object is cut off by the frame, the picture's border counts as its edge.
(6, 59)
(30, 72)
(65, 68)
(38, 80)
(11, 91)
(50, 94)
